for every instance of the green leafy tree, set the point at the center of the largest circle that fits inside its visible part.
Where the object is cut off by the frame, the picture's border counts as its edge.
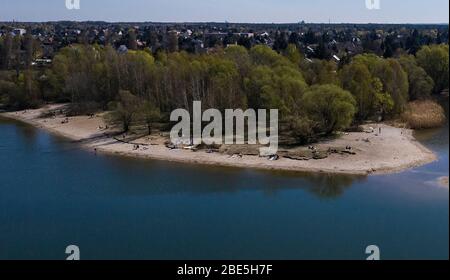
(420, 84)
(389, 71)
(330, 107)
(11, 96)
(435, 60)
(302, 128)
(395, 83)
(281, 87)
(240, 56)
(357, 79)
(383, 103)
(293, 54)
(260, 88)
(289, 86)
(320, 72)
(263, 55)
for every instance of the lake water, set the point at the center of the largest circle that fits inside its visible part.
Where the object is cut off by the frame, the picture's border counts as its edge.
(54, 194)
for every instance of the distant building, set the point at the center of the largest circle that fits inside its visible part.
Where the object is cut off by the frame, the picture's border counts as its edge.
(245, 34)
(186, 34)
(19, 31)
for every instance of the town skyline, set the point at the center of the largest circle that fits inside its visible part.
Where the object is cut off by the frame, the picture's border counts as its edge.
(230, 22)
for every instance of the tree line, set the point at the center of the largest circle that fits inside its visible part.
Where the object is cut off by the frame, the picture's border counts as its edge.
(314, 97)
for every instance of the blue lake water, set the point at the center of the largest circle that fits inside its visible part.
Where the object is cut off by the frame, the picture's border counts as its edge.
(54, 194)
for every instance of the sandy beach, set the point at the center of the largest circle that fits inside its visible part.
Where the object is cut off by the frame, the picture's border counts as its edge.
(393, 150)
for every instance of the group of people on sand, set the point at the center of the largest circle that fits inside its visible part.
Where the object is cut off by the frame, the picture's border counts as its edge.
(137, 147)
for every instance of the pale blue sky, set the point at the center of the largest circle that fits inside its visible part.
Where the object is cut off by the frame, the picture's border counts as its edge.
(355, 11)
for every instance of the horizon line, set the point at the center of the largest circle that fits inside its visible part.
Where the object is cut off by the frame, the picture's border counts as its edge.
(225, 22)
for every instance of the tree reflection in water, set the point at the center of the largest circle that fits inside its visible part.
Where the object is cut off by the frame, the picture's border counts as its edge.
(139, 177)
(160, 178)
(331, 186)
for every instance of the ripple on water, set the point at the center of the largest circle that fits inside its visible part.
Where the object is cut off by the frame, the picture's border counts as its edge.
(443, 181)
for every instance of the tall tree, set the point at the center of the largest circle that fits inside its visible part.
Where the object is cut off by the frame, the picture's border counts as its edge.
(7, 51)
(132, 40)
(150, 114)
(281, 42)
(29, 49)
(420, 84)
(125, 110)
(357, 79)
(395, 82)
(172, 41)
(435, 60)
(330, 107)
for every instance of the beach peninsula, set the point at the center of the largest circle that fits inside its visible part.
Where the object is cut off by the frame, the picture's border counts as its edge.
(380, 149)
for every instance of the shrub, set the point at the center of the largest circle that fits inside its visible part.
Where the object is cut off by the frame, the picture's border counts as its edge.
(424, 114)
(330, 107)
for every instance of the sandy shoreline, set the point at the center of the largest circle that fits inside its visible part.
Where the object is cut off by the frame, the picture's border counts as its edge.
(394, 150)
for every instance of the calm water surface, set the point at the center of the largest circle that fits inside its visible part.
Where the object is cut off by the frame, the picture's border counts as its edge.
(54, 194)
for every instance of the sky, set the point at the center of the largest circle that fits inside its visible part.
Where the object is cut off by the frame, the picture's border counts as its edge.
(248, 11)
